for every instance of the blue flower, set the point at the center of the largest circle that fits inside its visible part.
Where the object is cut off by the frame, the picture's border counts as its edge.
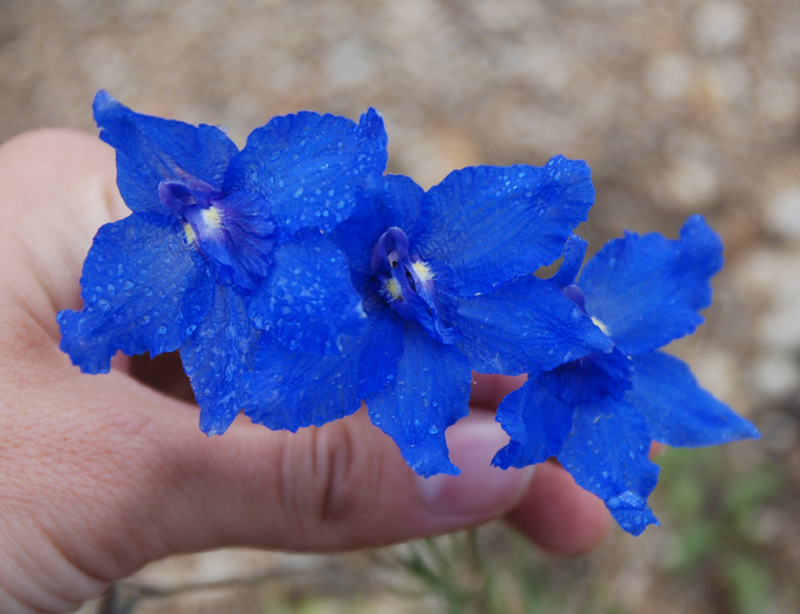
(598, 415)
(222, 247)
(445, 279)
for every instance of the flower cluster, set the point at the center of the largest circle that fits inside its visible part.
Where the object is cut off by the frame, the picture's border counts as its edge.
(297, 281)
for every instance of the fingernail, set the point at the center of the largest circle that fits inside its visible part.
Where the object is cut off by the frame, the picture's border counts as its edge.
(480, 489)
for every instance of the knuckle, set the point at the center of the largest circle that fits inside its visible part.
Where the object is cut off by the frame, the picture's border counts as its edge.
(343, 479)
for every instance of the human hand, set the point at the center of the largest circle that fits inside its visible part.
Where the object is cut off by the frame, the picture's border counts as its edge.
(102, 474)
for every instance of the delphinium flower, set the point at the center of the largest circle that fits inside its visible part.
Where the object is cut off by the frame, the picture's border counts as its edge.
(446, 282)
(598, 415)
(221, 244)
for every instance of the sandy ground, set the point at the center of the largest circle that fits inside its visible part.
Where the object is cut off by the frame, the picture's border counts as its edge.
(679, 107)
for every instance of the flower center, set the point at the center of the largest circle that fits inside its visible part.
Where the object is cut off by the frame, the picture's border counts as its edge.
(194, 204)
(232, 232)
(592, 377)
(575, 294)
(406, 283)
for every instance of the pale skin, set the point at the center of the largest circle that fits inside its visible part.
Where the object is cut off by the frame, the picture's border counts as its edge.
(101, 474)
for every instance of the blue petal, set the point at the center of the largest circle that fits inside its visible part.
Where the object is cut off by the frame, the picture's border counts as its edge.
(526, 326)
(574, 253)
(309, 166)
(537, 421)
(491, 224)
(151, 149)
(678, 410)
(216, 357)
(607, 454)
(381, 203)
(143, 288)
(591, 378)
(293, 389)
(380, 347)
(646, 290)
(308, 302)
(430, 393)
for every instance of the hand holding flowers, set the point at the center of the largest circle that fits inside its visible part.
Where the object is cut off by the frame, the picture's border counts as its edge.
(103, 474)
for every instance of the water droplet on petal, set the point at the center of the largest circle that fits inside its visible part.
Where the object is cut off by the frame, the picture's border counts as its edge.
(626, 500)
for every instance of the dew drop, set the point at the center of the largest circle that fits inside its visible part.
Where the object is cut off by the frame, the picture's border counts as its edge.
(627, 499)
(433, 430)
(299, 192)
(104, 304)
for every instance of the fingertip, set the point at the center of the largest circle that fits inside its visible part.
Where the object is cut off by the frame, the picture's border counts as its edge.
(657, 449)
(558, 515)
(481, 491)
(489, 390)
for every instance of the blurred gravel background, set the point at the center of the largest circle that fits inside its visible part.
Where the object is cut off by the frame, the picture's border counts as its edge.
(678, 106)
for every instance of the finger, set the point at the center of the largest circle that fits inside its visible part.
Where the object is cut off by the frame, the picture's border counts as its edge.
(58, 189)
(132, 479)
(558, 515)
(489, 390)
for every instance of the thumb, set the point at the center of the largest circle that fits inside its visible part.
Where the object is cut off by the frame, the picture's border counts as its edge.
(125, 477)
(342, 486)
